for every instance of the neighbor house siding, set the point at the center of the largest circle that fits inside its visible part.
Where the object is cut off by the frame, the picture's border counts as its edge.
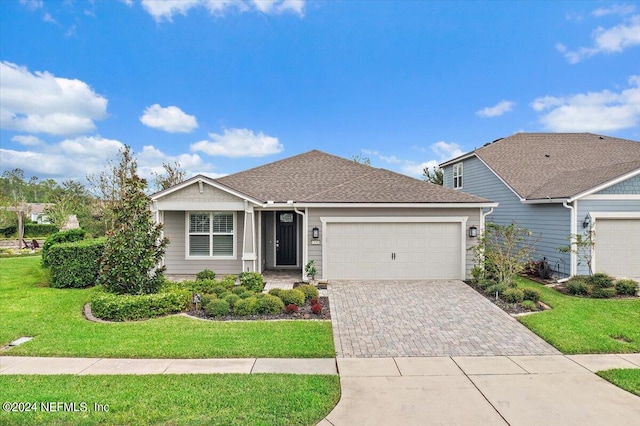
(629, 186)
(315, 251)
(591, 206)
(550, 223)
(175, 257)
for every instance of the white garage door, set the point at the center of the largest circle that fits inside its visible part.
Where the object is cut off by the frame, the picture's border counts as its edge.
(394, 251)
(618, 247)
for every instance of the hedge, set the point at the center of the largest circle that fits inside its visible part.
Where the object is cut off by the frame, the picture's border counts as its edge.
(59, 238)
(113, 307)
(39, 229)
(75, 264)
(9, 231)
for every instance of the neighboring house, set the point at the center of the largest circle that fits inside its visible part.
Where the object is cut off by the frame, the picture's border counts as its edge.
(353, 220)
(559, 184)
(38, 212)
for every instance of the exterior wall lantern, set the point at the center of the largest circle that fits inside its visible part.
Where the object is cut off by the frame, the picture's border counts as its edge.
(315, 233)
(473, 231)
(587, 221)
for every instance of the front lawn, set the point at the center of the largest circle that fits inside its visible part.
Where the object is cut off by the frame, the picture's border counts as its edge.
(627, 379)
(54, 318)
(231, 399)
(580, 325)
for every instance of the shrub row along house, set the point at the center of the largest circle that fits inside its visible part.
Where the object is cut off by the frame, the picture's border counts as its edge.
(353, 220)
(558, 185)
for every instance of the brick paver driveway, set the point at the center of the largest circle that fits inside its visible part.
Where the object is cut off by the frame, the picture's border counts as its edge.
(424, 318)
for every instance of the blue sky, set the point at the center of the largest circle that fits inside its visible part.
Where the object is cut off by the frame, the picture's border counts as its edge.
(224, 85)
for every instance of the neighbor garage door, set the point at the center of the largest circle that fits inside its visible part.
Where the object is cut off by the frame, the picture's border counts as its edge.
(617, 247)
(393, 251)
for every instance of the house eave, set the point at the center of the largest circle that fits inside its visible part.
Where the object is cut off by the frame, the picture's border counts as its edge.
(381, 205)
(605, 185)
(204, 180)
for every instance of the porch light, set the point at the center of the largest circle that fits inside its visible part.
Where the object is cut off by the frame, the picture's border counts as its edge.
(473, 231)
(315, 233)
(587, 221)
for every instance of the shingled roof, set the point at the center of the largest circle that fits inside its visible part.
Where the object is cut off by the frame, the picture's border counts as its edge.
(317, 177)
(558, 165)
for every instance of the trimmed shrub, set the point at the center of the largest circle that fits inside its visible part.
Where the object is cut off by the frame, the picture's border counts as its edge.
(291, 308)
(246, 306)
(316, 309)
(246, 294)
(276, 292)
(75, 265)
(9, 231)
(292, 296)
(531, 294)
(603, 292)
(239, 290)
(599, 280)
(206, 299)
(513, 295)
(578, 286)
(58, 238)
(484, 283)
(252, 281)
(269, 304)
(217, 308)
(626, 287)
(114, 307)
(308, 290)
(494, 288)
(232, 299)
(205, 275)
(228, 281)
(530, 304)
(219, 290)
(39, 230)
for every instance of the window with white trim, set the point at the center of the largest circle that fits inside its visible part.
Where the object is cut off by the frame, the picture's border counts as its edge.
(457, 175)
(211, 234)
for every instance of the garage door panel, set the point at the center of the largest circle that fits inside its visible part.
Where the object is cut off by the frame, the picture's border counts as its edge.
(422, 250)
(617, 247)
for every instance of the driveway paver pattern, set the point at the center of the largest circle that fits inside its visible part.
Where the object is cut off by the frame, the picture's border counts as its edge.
(374, 319)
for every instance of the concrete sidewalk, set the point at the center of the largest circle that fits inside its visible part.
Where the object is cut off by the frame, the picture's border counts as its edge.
(495, 390)
(84, 366)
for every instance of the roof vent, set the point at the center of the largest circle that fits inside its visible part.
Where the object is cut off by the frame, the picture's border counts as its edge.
(547, 155)
(601, 137)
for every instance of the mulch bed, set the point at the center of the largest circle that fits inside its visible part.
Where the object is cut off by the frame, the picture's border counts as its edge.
(510, 308)
(304, 313)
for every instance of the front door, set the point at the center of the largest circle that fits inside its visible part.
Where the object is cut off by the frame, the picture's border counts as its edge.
(286, 248)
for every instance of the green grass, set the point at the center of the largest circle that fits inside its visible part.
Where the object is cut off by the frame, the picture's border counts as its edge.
(627, 379)
(231, 399)
(54, 318)
(581, 325)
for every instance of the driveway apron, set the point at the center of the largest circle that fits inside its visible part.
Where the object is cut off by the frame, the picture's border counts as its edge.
(375, 319)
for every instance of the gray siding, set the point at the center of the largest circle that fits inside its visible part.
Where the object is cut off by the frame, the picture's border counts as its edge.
(551, 223)
(629, 186)
(175, 259)
(315, 251)
(590, 206)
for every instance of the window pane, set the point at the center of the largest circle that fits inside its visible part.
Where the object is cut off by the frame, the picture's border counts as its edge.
(199, 222)
(223, 245)
(223, 222)
(198, 245)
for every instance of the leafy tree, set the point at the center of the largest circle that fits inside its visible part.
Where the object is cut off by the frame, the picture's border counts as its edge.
(504, 251)
(173, 174)
(361, 159)
(71, 198)
(582, 246)
(436, 176)
(135, 245)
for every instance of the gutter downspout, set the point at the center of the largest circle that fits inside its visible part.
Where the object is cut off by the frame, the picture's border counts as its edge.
(483, 215)
(305, 237)
(574, 231)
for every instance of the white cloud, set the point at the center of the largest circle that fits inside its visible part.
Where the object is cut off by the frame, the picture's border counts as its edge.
(417, 169)
(239, 143)
(443, 151)
(48, 18)
(27, 140)
(387, 159)
(32, 4)
(496, 110)
(611, 40)
(42, 103)
(170, 119)
(591, 111)
(165, 10)
(616, 9)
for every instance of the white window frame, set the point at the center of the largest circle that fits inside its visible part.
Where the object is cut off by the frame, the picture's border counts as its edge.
(457, 176)
(211, 234)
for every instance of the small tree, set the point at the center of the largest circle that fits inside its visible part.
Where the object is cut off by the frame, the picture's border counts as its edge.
(581, 245)
(173, 174)
(436, 176)
(135, 246)
(504, 249)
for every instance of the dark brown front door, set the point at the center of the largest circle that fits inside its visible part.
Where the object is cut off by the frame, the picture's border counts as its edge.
(286, 249)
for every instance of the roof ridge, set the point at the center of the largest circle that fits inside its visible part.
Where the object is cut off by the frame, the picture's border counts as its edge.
(373, 169)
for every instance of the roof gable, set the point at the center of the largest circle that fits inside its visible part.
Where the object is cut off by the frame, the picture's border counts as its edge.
(558, 165)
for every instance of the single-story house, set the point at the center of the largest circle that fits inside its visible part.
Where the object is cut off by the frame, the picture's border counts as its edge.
(558, 185)
(353, 220)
